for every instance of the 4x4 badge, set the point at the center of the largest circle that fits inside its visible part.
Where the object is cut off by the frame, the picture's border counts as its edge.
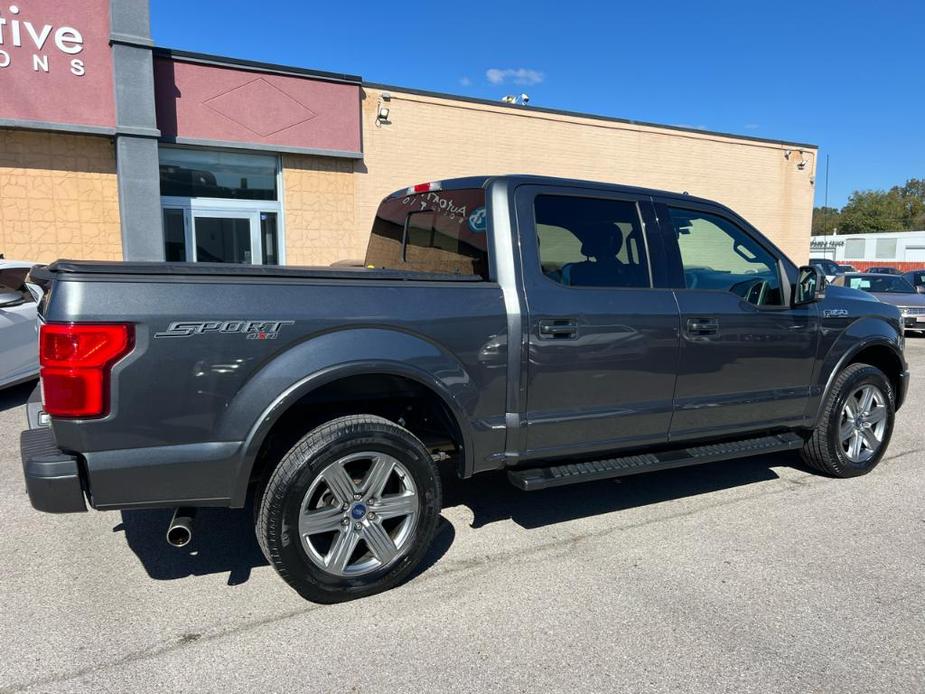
(252, 329)
(834, 313)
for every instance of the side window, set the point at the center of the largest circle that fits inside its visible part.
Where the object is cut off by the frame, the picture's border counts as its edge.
(14, 278)
(718, 255)
(591, 242)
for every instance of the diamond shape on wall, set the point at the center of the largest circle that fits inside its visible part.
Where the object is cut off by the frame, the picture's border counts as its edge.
(260, 107)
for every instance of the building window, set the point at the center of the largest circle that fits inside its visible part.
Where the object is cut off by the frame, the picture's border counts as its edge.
(204, 173)
(854, 248)
(886, 249)
(221, 207)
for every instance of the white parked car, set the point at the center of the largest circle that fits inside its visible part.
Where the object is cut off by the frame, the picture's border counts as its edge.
(19, 354)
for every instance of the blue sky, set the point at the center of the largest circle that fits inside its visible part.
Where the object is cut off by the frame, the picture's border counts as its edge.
(848, 76)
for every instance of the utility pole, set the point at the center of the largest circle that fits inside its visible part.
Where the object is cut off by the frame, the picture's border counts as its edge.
(825, 205)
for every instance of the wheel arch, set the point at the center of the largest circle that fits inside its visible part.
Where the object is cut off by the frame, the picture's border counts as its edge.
(879, 351)
(301, 392)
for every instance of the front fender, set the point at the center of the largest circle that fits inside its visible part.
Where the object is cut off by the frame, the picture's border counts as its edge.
(842, 346)
(331, 356)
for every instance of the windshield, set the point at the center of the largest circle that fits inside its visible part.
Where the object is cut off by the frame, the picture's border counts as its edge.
(878, 284)
(827, 266)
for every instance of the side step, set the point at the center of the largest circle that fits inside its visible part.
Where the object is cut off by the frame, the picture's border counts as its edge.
(590, 470)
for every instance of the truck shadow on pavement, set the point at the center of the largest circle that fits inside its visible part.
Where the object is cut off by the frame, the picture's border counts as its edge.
(224, 540)
(16, 396)
(491, 498)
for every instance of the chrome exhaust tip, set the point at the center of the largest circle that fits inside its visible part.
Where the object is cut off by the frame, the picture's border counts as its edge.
(180, 529)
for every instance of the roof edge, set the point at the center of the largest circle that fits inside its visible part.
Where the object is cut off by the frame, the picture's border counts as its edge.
(258, 66)
(583, 114)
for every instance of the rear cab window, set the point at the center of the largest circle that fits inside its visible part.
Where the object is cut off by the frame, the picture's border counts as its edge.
(441, 231)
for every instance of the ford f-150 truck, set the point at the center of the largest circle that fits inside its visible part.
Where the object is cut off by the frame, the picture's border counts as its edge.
(563, 331)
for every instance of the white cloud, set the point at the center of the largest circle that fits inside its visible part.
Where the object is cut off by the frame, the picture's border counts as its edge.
(752, 126)
(465, 81)
(521, 76)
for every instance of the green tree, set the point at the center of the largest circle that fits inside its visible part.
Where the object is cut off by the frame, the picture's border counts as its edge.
(872, 210)
(825, 219)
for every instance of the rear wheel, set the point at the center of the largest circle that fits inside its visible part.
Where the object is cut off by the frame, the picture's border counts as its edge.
(855, 425)
(350, 510)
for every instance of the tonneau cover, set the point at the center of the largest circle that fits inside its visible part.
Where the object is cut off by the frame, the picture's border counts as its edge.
(103, 267)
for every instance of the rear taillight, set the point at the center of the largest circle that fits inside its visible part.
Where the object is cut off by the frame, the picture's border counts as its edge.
(75, 360)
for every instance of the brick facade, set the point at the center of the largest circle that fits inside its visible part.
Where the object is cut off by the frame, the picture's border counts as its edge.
(431, 138)
(58, 197)
(58, 192)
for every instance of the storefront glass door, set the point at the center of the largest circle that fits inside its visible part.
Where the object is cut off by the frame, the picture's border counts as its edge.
(227, 237)
(220, 232)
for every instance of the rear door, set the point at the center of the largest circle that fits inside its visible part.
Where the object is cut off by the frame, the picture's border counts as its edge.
(746, 356)
(602, 328)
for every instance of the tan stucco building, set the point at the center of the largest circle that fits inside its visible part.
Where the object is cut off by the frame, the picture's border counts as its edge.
(206, 158)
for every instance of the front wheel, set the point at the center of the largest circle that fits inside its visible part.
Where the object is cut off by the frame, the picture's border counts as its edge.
(856, 423)
(350, 510)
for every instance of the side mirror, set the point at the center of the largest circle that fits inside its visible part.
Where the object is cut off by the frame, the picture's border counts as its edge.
(810, 286)
(920, 289)
(9, 298)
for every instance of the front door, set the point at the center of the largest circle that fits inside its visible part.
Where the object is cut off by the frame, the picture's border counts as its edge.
(603, 342)
(226, 237)
(219, 231)
(746, 356)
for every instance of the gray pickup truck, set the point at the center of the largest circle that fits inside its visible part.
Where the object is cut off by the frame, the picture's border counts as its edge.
(561, 330)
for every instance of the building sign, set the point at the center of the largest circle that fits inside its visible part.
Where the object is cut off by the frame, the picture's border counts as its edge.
(55, 62)
(823, 243)
(202, 103)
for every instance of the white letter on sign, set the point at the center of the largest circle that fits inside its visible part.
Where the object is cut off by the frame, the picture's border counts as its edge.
(69, 40)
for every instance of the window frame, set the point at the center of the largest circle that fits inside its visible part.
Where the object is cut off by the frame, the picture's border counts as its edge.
(673, 249)
(594, 194)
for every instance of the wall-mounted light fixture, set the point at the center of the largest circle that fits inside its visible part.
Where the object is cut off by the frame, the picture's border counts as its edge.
(383, 110)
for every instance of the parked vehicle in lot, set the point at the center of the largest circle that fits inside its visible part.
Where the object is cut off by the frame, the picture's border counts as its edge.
(847, 268)
(917, 279)
(829, 268)
(561, 330)
(19, 352)
(884, 270)
(891, 289)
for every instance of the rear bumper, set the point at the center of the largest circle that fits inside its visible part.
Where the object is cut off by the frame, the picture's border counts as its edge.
(52, 476)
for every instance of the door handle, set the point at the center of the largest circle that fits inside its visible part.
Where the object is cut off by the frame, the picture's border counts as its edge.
(558, 329)
(700, 327)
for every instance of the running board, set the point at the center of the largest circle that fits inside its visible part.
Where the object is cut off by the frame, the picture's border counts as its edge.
(588, 471)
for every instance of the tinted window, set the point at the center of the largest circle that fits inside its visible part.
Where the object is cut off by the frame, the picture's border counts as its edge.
(718, 255)
(828, 267)
(878, 283)
(917, 278)
(591, 242)
(438, 231)
(191, 173)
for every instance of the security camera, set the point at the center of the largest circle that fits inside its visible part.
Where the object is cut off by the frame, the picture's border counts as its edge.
(509, 99)
(524, 99)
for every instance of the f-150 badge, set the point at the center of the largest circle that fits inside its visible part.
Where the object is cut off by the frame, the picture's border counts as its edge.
(252, 329)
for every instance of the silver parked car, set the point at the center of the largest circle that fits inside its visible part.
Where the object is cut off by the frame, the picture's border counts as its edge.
(890, 289)
(19, 355)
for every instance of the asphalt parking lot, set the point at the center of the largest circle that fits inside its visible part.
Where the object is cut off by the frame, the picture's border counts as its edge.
(750, 575)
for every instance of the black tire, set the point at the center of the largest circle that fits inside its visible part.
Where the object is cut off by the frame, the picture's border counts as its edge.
(280, 506)
(823, 450)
